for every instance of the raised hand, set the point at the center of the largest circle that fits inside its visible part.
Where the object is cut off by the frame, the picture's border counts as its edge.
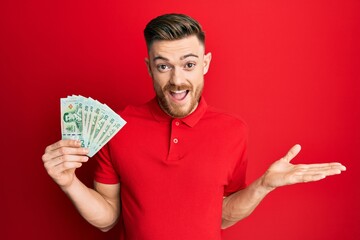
(62, 158)
(282, 172)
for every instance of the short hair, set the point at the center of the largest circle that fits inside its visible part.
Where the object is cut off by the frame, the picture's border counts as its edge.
(172, 27)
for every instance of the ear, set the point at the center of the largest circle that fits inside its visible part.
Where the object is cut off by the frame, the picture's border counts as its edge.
(147, 62)
(207, 60)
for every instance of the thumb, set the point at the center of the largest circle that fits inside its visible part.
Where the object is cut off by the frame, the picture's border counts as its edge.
(292, 153)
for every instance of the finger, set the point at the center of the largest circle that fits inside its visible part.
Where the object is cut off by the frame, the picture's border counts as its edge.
(63, 143)
(69, 151)
(65, 158)
(64, 151)
(325, 172)
(307, 178)
(292, 153)
(55, 171)
(302, 177)
(320, 166)
(67, 166)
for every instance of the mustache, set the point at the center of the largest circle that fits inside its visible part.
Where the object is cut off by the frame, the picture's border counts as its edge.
(173, 87)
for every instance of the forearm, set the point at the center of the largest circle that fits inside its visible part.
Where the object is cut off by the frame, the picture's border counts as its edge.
(92, 206)
(241, 204)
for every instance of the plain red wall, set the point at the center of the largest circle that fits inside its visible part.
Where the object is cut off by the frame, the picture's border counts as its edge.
(289, 68)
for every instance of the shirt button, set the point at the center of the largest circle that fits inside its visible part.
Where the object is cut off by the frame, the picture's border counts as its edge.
(175, 140)
(177, 123)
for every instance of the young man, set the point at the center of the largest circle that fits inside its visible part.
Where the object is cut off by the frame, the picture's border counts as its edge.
(178, 166)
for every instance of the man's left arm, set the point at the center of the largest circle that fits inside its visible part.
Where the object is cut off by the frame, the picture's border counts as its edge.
(241, 204)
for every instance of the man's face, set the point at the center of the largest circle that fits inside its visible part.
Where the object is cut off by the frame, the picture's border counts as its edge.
(177, 69)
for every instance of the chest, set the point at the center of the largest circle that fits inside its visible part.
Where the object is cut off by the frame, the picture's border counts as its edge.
(172, 154)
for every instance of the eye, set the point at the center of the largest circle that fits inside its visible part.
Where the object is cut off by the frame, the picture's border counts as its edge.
(163, 67)
(190, 65)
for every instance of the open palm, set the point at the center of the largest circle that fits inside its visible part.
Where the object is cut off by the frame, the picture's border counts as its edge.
(282, 172)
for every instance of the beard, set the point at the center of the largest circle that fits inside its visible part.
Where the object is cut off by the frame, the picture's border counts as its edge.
(174, 109)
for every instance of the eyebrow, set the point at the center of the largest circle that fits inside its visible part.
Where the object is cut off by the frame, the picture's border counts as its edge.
(181, 58)
(161, 58)
(189, 55)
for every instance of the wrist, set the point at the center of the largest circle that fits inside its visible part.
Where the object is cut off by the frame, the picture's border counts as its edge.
(68, 188)
(264, 184)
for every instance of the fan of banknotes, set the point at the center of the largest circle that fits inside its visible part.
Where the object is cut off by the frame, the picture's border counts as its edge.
(89, 121)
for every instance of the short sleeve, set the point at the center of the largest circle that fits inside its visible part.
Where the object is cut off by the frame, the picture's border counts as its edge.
(237, 172)
(105, 171)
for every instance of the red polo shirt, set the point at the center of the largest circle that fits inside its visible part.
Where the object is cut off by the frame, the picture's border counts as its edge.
(173, 173)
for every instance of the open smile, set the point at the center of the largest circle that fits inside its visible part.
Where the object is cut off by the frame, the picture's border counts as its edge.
(179, 95)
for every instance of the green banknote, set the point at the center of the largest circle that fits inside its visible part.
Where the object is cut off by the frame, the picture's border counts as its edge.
(108, 131)
(71, 119)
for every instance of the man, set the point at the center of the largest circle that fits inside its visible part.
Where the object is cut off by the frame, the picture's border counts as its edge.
(177, 169)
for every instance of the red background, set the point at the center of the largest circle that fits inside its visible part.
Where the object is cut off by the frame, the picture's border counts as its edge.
(289, 68)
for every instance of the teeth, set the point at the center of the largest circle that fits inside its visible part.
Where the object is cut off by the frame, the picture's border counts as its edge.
(179, 95)
(179, 91)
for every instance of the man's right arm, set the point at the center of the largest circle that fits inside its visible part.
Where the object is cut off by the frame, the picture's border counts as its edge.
(99, 206)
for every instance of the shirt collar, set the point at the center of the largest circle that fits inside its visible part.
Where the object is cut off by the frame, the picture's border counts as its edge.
(189, 120)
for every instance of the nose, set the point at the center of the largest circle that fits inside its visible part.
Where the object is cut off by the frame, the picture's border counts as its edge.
(177, 77)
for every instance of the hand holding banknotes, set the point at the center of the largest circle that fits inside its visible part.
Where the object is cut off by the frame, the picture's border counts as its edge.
(86, 126)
